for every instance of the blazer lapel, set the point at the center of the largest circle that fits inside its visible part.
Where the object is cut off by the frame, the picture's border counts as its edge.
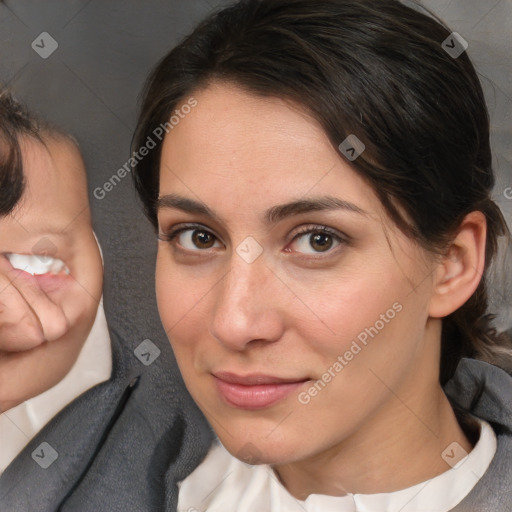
(52, 464)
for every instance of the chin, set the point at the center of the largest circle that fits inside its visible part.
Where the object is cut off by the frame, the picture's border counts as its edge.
(255, 449)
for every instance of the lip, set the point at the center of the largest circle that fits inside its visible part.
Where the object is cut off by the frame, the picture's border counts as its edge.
(255, 391)
(47, 282)
(52, 282)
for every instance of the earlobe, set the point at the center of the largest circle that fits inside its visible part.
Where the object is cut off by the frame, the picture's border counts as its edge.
(460, 270)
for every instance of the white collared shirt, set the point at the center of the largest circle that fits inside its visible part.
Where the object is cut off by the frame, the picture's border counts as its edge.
(93, 366)
(223, 483)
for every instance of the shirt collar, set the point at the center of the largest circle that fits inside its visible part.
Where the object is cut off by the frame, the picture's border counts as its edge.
(441, 493)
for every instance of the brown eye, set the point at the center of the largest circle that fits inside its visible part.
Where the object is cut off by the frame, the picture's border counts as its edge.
(316, 241)
(192, 239)
(202, 239)
(321, 242)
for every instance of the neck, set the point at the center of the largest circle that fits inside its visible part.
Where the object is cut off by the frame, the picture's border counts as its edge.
(401, 445)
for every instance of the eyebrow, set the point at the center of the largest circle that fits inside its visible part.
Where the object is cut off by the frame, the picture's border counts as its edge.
(272, 215)
(184, 204)
(279, 212)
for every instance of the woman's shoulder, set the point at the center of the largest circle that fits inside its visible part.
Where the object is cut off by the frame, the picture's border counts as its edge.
(494, 490)
(485, 391)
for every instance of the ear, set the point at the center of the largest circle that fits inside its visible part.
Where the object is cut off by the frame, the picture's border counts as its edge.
(459, 272)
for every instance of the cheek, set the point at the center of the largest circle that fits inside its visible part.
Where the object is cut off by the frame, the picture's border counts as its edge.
(181, 297)
(345, 308)
(369, 355)
(166, 288)
(381, 330)
(372, 323)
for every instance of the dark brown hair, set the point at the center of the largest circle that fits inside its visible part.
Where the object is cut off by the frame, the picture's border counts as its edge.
(375, 69)
(14, 122)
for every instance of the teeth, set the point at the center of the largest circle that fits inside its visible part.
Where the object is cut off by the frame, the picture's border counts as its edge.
(37, 264)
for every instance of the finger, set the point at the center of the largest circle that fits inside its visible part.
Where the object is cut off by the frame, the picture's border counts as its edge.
(20, 329)
(51, 316)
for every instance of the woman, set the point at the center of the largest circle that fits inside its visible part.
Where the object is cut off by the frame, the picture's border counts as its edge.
(325, 224)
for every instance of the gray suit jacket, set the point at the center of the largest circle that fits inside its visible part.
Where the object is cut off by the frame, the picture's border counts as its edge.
(486, 392)
(121, 446)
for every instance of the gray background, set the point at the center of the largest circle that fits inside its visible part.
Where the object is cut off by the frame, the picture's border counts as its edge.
(89, 87)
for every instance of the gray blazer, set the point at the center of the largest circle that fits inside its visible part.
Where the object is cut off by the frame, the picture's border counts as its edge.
(121, 446)
(486, 392)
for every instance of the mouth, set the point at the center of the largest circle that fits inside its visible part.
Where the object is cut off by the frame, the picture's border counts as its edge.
(255, 391)
(37, 265)
(52, 275)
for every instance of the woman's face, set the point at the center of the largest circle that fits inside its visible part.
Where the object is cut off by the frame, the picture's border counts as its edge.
(297, 311)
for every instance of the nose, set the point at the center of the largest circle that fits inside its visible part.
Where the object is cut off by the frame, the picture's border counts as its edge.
(247, 308)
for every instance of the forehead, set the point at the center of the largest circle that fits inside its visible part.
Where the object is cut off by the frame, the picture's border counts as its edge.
(232, 123)
(55, 181)
(258, 151)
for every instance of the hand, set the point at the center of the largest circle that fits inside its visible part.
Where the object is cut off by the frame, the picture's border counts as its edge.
(28, 317)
